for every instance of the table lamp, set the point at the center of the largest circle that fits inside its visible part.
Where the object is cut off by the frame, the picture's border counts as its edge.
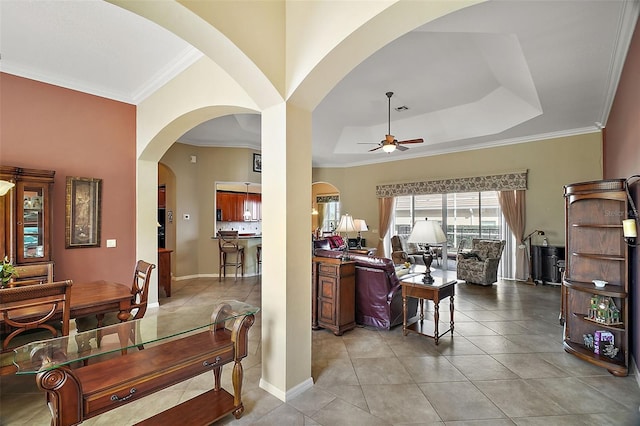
(361, 226)
(427, 232)
(346, 225)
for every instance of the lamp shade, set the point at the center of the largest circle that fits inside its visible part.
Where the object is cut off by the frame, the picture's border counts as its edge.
(360, 225)
(5, 186)
(346, 224)
(427, 232)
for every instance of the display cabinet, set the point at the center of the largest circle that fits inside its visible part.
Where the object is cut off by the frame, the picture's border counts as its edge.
(596, 326)
(26, 213)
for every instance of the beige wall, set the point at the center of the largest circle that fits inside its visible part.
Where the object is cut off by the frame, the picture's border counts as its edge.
(551, 164)
(196, 254)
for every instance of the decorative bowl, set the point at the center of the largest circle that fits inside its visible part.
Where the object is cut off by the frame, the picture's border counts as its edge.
(600, 283)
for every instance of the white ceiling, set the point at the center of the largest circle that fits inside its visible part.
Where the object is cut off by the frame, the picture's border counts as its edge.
(497, 73)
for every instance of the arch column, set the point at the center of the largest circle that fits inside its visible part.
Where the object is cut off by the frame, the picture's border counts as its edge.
(286, 251)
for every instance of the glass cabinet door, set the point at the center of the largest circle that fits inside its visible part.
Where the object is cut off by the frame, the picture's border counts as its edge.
(31, 231)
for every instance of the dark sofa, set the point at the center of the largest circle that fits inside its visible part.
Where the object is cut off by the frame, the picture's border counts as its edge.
(378, 290)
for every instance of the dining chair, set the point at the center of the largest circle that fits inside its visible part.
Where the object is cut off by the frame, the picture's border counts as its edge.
(139, 299)
(31, 312)
(231, 253)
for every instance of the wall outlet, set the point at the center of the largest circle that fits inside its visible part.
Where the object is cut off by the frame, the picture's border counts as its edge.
(186, 216)
(111, 243)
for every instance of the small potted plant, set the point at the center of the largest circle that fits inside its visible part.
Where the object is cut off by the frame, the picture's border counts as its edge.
(7, 271)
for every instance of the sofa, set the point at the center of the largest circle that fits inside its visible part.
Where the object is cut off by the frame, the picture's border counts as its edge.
(378, 290)
(480, 264)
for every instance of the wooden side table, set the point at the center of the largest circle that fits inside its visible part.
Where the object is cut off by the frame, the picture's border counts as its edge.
(334, 295)
(440, 289)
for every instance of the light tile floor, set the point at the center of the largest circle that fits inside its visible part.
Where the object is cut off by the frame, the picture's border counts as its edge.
(504, 365)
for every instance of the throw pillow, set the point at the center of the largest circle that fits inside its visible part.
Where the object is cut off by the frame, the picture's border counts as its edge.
(470, 255)
(336, 241)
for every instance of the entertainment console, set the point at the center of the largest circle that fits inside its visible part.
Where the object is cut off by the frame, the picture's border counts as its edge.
(161, 359)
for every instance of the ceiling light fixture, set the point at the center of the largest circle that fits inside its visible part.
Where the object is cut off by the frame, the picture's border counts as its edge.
(389, 147)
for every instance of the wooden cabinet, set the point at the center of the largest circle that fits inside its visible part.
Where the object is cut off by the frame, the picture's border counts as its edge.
(233, 204)
(334, 295)
(596, 250)
(26, 215)
(226, 202)
(545, 261)
(164, 270)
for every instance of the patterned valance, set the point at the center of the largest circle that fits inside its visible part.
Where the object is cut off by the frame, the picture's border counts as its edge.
(328, 198)
(498, 182)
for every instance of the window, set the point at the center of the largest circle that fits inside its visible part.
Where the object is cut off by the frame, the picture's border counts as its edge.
(463, 215)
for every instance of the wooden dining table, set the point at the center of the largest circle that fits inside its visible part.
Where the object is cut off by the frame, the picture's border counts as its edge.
(91, 298)
(100, 297)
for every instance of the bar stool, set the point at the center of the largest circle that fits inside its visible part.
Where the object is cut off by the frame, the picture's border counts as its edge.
(231, 253)
(258, 257)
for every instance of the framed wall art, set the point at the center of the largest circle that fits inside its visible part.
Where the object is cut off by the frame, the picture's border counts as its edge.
(83, 210)
(257, 163)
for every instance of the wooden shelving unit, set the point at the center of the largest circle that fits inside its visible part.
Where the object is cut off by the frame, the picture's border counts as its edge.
(596, 249)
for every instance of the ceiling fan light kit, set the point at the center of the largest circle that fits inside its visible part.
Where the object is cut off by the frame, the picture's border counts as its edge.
(389, 144)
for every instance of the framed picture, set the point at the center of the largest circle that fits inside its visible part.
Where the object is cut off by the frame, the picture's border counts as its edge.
(257, 163)
(82, 218)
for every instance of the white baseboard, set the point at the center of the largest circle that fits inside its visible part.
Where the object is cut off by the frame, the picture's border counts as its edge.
(191, 277)
(288, 395)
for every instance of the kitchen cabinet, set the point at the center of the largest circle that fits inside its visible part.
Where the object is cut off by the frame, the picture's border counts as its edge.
(26, 215)
(233, 204)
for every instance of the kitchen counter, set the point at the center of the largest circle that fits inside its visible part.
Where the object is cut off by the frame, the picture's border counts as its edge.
(242, 236)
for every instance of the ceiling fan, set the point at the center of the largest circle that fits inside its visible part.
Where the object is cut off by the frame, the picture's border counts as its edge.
(390, 144)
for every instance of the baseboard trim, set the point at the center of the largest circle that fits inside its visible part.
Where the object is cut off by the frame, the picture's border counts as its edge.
(191, 277)
(288, 395)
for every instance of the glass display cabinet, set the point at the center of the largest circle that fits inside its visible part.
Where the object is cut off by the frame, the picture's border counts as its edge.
(142, 357)
(26, 210)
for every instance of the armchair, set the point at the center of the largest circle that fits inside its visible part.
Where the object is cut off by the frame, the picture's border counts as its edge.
(402, 251)
(480, 264)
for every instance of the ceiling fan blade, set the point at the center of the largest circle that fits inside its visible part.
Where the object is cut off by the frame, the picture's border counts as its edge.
(375, 149)
(413, 141)
(401, 148)
(368, 143)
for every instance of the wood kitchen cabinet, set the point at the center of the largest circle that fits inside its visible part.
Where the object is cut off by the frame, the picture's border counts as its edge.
(334, 295)
(233, 204)
(25, 213)
(227, 203)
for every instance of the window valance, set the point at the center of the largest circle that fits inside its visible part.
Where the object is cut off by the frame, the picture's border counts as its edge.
(328, 199)
(497, 182)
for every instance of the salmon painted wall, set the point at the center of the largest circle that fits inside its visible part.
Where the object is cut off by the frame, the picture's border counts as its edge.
(622, 160)
(76, 134)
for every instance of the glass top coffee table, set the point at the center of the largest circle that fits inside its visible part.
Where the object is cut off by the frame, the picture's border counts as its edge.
(442, 287)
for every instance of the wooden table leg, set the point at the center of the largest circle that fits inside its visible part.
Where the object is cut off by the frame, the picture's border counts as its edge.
(404, 315)
(436, 316)
(451, 308)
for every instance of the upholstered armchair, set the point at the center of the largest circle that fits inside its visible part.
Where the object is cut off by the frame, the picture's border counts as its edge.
(402, 251)
(480, 264)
